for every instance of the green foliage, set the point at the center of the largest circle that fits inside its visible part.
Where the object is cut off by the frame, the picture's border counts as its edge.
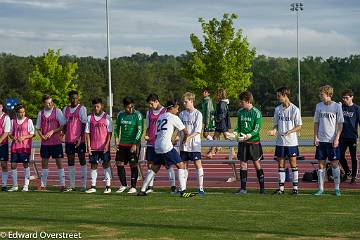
(222, 60)
(50, 77)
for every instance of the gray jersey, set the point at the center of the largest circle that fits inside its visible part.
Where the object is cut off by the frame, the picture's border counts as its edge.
(286, 119)
(328, 116)
(193, 123)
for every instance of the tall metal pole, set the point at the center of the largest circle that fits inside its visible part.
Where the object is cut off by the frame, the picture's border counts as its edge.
(109, 58)
(297, 53)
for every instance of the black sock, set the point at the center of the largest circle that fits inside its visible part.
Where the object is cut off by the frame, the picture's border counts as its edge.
(122, 175)
(243, 179)
(260, 176)
(134, 176)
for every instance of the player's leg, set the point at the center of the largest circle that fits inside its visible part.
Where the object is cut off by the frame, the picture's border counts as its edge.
(354, 161)
(44, 173)
(343, 144)
(213, 149)
(185, 157)
(148, 179)
(4, 157)
(58, 154)
(295, 175)
(256, 154)
(200, 173)
(70, 153)
(334, 159)
(105, 156)
(242, 156)
(83, 169)
(14, 174)
(281, 171)
(26, 176)
(171, 175)
(93, 159)
(150, 155)
(134, 170)
(321, 156)
(120, 164)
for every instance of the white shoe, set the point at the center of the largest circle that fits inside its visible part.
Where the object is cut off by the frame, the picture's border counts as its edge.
(121, 189)
(150, 190)
(13, 189)
(91, 190)
(107, 190)
(25, 189)
(132, 190)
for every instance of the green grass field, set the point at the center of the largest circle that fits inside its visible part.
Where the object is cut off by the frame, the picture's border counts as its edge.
(218, 215)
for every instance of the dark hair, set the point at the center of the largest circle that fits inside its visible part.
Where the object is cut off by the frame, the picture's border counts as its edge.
(18, 107)
(2, 103)
(73, 92)
(347, 92)
(246, 96)
(172, 103)
(152, 97)
(45, 97)
(127, 100)
(285, 91)
(207, 90)
(96, 101)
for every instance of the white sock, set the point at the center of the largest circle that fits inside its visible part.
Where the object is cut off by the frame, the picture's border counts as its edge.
(200, 173)
(44, 175)
(14, 176)
(149, 178)
(4, 177)
(282, 177)
(336, 175)
(83, 176)
(209, 137)
(107, 173)
(61, 174)
(295, 179)
(27, 177)
(182, 180)
(151, 183)
(72, 176)
(321, 179)
(186, 171)
(171, 174)
(93, 174)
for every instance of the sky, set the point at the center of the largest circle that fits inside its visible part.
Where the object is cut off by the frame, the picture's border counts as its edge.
(78, 27)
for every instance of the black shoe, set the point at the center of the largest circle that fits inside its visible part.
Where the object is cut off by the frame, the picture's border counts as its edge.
(353, 180)
(173, 190)
(262, 191)
(185, 194)
(278, 192)
(295, 192)
(4, 189)
(142, 194)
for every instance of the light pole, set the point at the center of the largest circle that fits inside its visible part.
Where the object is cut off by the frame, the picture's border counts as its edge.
(108, 58)
(297, 7)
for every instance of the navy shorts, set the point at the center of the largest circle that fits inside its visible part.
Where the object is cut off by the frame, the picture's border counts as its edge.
(71, 149)
(97, 157)
(54, 151)
(167, 159)
(249, 152)
(150, 154)
(286, 151)
(4, 152)
(193, 156)
(326, 151)
(124, 155)
(20, 158)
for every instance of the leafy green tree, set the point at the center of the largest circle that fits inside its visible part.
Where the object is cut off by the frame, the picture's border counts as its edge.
(223, 59)
(51, 78)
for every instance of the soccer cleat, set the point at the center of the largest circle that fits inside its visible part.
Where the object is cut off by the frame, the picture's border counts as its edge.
(4, 189)
(278, 192)
(42, 189)
(13, 189)
(319, 193)
(173, 190)
(142, 194)
(91, 190)
(262, 191)
(107, 190)
(70, 189)
(185, 194)
(353, 180)
(337, 192)
(25, 189)
(62, 188)
(149, 190)
(83, 189)
(121, 189)
(201, 193)
(241, 192)
(295, 192)
(132, 191)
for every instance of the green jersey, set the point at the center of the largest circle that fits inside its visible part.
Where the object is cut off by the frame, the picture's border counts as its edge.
(130, 127)
(207, 110)
(249, 122)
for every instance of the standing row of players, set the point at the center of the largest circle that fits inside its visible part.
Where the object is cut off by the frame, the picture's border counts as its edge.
(96, 131)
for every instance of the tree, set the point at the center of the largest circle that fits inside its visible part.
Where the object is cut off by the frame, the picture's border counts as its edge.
(50, 77)
(223, 59)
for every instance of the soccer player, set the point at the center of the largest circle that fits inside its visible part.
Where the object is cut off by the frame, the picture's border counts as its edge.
(75, 117)
(98, 131)
(248, 127)
(349, 134)
(287, 122)
(22, 132)
(49, 124)
(152, 115)
(328, 124)
(4, 146)
(191, 148)
(128, 133)
(207, 110)
(165, 151)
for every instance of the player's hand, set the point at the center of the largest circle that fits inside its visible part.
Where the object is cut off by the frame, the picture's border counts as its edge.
(106, 148)
(316, 141)
(77, 142)
(62, 137)
(43, 137)
(89, 151)
(20, 139)
(49, 134)
(335, 144)
(247, 137)
(146, 138)
(133, 148)
(272, 132)
(286, 133)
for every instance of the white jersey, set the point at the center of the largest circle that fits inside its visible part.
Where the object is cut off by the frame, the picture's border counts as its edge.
(328, 116)
(193, 123)
(286, 119)
(166, 125)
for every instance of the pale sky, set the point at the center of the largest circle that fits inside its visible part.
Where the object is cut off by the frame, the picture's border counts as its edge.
(78, 27)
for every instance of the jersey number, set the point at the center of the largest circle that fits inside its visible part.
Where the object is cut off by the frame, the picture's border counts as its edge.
(161, 124)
